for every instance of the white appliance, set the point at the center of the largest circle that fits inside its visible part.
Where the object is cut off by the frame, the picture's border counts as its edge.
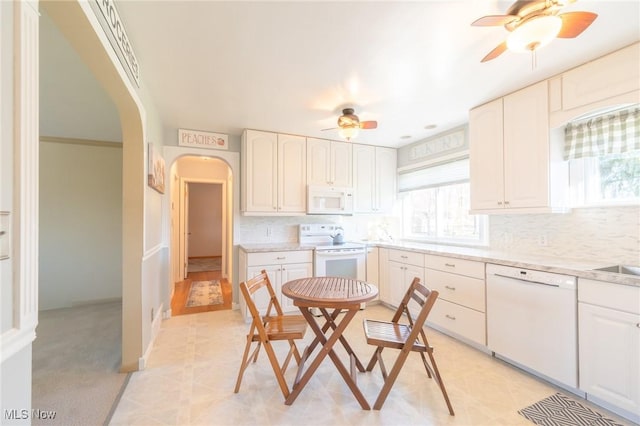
(334, 260)
(532, 321)
(329, 200)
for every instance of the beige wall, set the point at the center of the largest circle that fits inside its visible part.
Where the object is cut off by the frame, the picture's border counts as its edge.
(80, 223)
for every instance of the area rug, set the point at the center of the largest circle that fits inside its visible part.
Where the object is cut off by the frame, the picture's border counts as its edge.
(204, 293)
(560, 410)
(204, 264)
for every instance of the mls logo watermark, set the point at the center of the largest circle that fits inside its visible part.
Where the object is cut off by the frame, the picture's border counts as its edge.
(17, 414)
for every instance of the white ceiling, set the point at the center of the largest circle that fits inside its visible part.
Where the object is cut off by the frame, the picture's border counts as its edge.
(290, 66)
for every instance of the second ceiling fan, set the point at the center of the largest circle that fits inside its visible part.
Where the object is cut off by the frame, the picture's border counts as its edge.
(349, 124)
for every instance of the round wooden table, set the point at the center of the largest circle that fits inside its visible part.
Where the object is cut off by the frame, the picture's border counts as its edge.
(338, 295)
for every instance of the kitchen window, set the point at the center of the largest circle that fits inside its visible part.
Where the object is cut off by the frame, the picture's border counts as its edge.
(604, 158)
(435, 205)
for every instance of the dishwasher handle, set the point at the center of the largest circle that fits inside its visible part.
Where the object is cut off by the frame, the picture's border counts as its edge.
(527, 281)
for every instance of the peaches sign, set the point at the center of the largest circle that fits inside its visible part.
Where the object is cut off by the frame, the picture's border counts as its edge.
(197, 139)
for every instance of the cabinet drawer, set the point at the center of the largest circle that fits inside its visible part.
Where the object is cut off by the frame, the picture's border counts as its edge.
(610, 295)
(469, 268)
(466, 322)
(409, 257)
(279, 257)
(459, 289)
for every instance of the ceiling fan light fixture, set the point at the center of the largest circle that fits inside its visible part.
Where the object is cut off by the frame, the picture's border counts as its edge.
(348, 133)
(534, 33)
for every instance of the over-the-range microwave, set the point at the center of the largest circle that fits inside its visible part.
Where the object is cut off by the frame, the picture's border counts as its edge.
(329, 200)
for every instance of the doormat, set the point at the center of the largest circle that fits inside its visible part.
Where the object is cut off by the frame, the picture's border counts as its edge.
(204, 264)
(204, 293)
(560, 410)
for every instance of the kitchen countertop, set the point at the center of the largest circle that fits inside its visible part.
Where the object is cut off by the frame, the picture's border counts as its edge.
(575, 267)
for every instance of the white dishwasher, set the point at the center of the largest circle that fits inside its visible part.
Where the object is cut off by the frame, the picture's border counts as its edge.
(532, 320)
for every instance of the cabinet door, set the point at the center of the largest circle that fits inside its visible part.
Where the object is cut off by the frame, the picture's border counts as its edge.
(385, 179)
(261, 298)
(292, 173)
(526, 147)
(318, 161)
(383, 275)
(260, 168)
(486, 156)
(411, 272)
(396, 283)
(609, 76)
(290, 272)
(372, 267)
(609, 342)
(341, 164)
(364, 170)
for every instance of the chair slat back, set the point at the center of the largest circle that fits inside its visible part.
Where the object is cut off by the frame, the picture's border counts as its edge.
(253, 285)
(425, 298)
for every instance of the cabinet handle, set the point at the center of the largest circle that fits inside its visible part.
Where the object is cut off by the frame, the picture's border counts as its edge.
(506, 202)
(499, 203)
(404, 257)
(451, 317)
(450, 265)
(281, 257)
(448, 287)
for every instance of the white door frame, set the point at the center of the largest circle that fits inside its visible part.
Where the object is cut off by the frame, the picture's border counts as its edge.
(183, 222)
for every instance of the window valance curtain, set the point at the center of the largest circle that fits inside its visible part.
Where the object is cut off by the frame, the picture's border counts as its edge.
(606, 134)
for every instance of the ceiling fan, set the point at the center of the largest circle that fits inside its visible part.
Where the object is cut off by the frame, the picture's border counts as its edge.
(349, 124)
(533, 24)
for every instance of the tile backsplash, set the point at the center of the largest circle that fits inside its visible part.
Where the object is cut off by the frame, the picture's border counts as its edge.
(607, 234)
(602, 234)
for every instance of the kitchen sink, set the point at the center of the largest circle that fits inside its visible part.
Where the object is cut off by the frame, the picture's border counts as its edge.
(621, 269)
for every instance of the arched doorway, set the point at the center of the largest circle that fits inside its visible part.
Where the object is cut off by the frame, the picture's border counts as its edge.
(77, 22)
(205, 232)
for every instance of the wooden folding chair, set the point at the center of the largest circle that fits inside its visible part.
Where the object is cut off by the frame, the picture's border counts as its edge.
(268, 328)
(406, 337)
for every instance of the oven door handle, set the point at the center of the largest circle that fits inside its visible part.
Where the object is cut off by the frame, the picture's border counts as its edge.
(339, 253)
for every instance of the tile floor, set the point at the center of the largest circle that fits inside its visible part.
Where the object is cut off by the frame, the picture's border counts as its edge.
(194, 363)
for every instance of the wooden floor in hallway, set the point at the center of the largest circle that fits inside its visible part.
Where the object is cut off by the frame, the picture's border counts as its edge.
(181, 294)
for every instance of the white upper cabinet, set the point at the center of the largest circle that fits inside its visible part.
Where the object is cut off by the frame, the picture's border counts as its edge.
(292, 174)
(509, 150)
(374, 176)
(486, 156)
(274, 173)
(608, 81)
(329, 163)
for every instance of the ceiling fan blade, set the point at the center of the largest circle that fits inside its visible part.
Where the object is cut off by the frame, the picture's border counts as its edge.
(574, 23)
(493, 20)
(330, 128)
(495, 52)
(368, 124)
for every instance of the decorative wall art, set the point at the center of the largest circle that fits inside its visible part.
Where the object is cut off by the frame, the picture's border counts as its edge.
(197, 139)
(156, 170)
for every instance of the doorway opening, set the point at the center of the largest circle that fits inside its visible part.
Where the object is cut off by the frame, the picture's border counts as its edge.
(201, 224)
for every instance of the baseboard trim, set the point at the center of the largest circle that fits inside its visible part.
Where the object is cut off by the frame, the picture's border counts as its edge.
(155, 329)
(77, 303)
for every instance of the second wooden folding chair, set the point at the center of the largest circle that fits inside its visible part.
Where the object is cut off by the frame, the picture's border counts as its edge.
(406, 337)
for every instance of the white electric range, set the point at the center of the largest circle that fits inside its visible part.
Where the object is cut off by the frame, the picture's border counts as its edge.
(343, 259)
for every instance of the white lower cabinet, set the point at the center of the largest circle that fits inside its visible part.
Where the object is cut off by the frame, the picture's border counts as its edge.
(281, 266)
(609, 343)
(461, 305)
(403, 267)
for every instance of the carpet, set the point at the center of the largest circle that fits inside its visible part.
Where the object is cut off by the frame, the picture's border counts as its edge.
(204, 293)
(76, 363)
(204, 264)
(560, 410)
